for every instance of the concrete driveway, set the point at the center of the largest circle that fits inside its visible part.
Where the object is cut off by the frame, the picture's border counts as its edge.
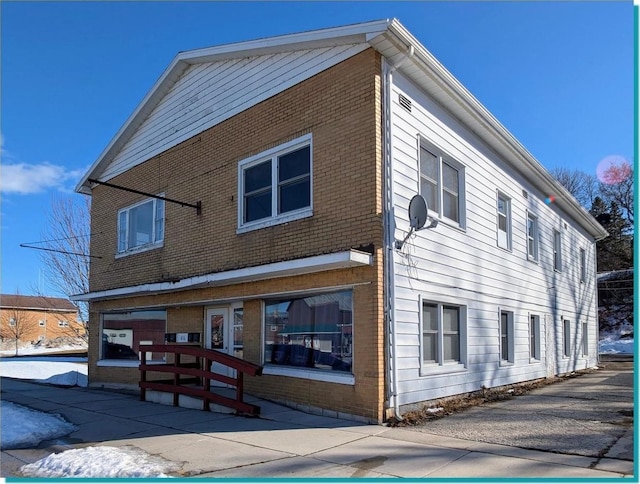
(579, 428)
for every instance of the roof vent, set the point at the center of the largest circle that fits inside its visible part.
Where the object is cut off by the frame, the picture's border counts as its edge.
(405, 102)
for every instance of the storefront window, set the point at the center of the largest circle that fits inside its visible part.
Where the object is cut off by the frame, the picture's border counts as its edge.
(123, 333)
(310, 332)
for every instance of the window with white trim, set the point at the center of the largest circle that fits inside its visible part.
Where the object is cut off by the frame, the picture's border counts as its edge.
(12, 321)
(566, 337)
(504, 221)
(507, 341)
(141, 226)
(442, 183)
(42, 323)
(534, 337)
(276, 186)
(63, 324)
(583, 266)
(557, 250)
(585, 339)
(532, 237)
(443, 329)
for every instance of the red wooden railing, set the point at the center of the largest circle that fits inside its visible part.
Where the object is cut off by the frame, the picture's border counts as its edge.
(199, 383)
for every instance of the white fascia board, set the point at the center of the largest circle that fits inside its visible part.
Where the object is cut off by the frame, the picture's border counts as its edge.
(356, 33)
(307, 265)
(460, 101)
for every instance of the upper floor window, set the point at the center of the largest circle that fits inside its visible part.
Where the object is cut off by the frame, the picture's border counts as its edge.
(504, 221)
(583, 265)
(557, 250)
(63, 324)
(442, 184)
(141, 226)
(532, 237)
(276, 186)
(42, 323)
(12, 321)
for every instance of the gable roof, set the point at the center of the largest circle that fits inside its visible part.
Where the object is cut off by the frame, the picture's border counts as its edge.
(401, 49)
(36, 303)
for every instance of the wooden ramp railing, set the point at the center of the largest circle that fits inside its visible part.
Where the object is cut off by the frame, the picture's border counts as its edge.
(198, 384)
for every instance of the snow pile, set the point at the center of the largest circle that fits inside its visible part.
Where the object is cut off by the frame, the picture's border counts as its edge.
(56, 345)
(100, 462)
(23, 428)
(67, 371)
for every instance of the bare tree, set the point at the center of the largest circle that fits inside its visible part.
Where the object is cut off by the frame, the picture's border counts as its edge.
(583, 186)
(65, 251)
(15, 324)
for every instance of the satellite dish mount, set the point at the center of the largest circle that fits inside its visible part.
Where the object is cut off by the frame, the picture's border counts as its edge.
(418, 215)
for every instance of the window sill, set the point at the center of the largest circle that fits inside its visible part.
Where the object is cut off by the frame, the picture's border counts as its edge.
(270, 222)
(506, 363)
(137, 250)
(446, 369)
(317, 375)
(127, 363)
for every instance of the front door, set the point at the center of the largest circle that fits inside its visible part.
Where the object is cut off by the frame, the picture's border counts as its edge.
(222, 333)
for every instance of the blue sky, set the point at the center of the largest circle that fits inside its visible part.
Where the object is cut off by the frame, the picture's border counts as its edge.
(557, 75)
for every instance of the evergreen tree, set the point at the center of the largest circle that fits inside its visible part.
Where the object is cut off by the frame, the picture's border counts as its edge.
(615, 252)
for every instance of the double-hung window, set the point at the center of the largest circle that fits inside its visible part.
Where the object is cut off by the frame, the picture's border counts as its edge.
(443, 330)
(534, 337)
(532, 237)
(583, 265)
(557, 250)
(275, 186)
(566, 337)
(141, 226)
(507, 341)
(442, 184)
(504, 221)
(585, 339)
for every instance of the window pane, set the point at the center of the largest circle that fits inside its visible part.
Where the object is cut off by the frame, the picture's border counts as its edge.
(123, 333)
(429, 191)
(294, 164)
(451, 348)
(502, 206)
(141, 219)
(429, 347)
(450, 319)
(238, 326)
(430, 317)
(428, 165)
(294, 196)
(450, 178)
(312, 332)
(257, 177)
(257, 206)
(502, 223)
(122, 231)
(450, 206)
(159, 220)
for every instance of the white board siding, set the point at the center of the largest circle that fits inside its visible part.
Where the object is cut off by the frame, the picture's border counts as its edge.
(466, 267)
(207, 94)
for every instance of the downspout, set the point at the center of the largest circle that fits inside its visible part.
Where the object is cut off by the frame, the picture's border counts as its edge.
(389, 232)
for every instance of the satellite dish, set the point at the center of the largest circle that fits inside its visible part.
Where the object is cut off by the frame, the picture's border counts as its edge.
(418, 211)
(418, 215)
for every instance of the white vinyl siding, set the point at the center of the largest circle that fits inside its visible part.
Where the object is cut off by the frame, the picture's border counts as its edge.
(207, 94)
(467, 268)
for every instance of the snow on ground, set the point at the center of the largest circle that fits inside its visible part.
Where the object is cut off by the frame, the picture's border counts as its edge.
(611, 345)
(99, 462)
(56, 370)
(23, 428)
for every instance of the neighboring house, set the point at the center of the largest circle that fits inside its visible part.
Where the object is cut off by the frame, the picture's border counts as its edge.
(293, 160)
(34, 318)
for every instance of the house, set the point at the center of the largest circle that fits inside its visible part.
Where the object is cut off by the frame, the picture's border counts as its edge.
(257, 198)
(35, 318)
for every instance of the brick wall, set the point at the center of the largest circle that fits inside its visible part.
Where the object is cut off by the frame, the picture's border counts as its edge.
(340, 107)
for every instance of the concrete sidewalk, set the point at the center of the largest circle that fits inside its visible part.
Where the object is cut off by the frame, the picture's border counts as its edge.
(579, 428)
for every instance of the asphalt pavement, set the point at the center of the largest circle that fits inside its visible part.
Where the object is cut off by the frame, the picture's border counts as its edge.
(581, 427)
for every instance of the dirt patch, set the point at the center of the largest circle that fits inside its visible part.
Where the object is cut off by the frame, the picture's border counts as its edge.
(438, 409)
